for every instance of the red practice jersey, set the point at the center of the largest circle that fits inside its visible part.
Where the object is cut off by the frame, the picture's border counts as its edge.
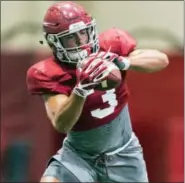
(101, 107)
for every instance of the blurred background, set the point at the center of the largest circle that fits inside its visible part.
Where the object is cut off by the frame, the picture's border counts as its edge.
(156, 102)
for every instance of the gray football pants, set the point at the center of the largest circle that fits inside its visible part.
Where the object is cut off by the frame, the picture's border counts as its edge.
(123, 164)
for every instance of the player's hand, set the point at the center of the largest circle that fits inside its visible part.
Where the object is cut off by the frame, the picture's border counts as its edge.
(122, 63)
(90, 72)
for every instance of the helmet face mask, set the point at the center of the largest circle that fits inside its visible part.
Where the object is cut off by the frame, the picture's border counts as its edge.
(78, 52)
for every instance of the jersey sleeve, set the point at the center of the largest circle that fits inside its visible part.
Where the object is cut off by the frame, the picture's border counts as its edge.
(39, 83)
(118, 41)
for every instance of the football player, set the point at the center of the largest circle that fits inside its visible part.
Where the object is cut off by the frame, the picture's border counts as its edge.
(100, 145)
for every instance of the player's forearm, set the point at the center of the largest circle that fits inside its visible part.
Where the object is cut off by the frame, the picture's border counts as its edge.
(69, 114)
(148, 60)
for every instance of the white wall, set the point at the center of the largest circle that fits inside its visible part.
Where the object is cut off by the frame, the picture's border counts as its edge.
(17, 13)
(133, 15)
(128, 15)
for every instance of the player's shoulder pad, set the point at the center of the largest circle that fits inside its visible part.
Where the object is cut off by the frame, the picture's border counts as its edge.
(120, 41)
(44, 76)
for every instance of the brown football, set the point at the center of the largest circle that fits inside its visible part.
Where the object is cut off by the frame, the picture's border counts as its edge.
(113, 80)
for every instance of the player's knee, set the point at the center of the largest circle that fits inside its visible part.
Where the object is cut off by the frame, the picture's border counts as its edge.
(49, 179)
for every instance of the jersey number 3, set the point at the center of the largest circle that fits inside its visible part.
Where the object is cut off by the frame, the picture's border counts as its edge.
(109, 97)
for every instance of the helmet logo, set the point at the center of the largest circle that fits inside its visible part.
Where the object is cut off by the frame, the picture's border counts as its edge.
(77, 26)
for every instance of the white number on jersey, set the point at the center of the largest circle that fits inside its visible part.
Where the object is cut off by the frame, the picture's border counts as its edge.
(110, 97)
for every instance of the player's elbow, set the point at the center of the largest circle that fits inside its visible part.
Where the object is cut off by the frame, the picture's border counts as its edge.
(61, 126)
(160, 62)
(62, 129)
(164, 60)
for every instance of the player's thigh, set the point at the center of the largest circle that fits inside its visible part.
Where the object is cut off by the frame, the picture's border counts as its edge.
(68, 166)
(57, 172)
(128, 165)
(132, 167)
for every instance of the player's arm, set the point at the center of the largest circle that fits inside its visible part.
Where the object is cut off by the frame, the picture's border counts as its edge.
(147, 60)
(143, 60)
(63, 106)
(63, 111)
(124, 45)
